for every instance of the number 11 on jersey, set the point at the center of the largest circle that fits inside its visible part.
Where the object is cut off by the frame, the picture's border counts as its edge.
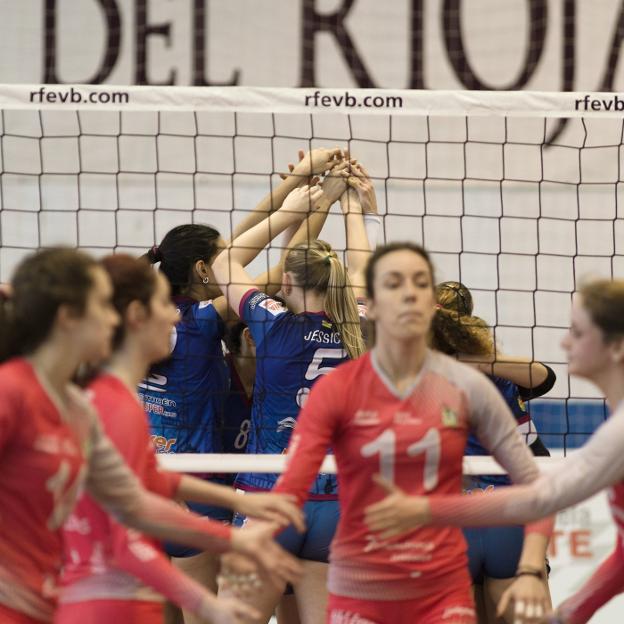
(385, 445)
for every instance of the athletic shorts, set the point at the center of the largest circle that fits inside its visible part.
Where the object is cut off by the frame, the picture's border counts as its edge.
(493, 552)
(220, 514)
(110, 611)
(321, 518)
(10, 616)
(454, 605)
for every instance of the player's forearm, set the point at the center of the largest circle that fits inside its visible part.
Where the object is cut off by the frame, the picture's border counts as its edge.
(533, 556)
(270, 203)
(604, 584)
(358, 248)
(167, 521)
(200, 491)
(249, 244)
(140, 559)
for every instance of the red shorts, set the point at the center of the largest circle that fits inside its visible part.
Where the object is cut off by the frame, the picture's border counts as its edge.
(10, 616)
(107, 611)
(454, 606)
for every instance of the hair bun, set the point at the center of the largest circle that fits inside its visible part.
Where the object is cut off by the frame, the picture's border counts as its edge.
(154, 255)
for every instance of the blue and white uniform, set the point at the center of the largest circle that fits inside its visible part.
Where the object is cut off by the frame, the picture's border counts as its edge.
(237, 415)
(494, 552)
(292, 352)
(184, 395)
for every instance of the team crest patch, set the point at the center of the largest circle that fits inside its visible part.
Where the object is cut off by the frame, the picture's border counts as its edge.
(449, 417)
(326, 324)
(522, 404)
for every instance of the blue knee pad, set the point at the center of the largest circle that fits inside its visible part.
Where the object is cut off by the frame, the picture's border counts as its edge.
(321, 519)
(220, 514)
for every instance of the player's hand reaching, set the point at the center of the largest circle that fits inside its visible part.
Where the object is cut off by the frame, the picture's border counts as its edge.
(304, 179)
(278, 508)
(361, 182)
(335, 182)
(318, 161)
(303, 200)
(525, 601)
(397, 513)
(256, 541)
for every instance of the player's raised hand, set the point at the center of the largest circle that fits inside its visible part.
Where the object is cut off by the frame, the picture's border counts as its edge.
(278, 508)
(397, 513)
(304, 199)
(335, 182)
(360, 180)
(525, 601)
(318, 161)
(256, 542)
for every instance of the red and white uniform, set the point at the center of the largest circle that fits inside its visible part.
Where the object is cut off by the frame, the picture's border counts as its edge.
(46, 456)
(105, 561)
(416, 439)
(598, 465)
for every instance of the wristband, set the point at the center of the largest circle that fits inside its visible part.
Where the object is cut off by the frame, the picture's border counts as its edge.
(531, 572)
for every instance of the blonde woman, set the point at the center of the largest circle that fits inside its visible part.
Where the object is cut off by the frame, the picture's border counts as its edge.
(297, 342)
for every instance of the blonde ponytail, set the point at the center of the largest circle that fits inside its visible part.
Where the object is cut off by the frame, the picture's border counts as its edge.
(316, 266)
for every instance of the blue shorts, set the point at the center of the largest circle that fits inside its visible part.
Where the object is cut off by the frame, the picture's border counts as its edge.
(220, 514)
(494, 552)
(321, 518)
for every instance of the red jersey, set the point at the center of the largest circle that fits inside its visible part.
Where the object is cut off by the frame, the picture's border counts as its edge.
(104, 559)
(46, 456)
(41, 463)
(415, 439)
(598, 465)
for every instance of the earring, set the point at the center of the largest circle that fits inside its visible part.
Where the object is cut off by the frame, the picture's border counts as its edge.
(205, 280)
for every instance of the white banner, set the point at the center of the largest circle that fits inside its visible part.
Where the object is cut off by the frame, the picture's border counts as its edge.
(541, 45)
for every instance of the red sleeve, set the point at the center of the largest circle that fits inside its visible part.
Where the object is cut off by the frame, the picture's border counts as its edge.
(135, 555)
(159, 481)
(312, 436)
(606, 582)
(9, 411)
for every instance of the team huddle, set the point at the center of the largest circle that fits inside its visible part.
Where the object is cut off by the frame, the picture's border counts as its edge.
(106, 362)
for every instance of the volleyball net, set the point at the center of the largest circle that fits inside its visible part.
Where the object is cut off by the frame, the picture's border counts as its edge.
(517, 195)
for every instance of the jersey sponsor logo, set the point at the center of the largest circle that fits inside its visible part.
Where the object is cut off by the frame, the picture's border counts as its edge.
(406, 418)
(55, 445)
(77, 525)
(366, 418)
(340, 616)
(204, 304)
(162, 444)
(272, 306)
(449, 417)
(458, 611)
(286, 423)
(154, 383)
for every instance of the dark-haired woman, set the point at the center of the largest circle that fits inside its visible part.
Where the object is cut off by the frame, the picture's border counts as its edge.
(298, 342)
(404, 411)
(111, 573)
(595, 350)
(494, 553)
(60, 316)
(184, 394)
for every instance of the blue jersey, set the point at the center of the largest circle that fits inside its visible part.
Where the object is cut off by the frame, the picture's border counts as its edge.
(237, 414)
(292, 352)
(184, 395)
(511, 394)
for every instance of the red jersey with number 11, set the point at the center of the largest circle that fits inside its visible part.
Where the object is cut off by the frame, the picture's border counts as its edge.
(415, 439)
